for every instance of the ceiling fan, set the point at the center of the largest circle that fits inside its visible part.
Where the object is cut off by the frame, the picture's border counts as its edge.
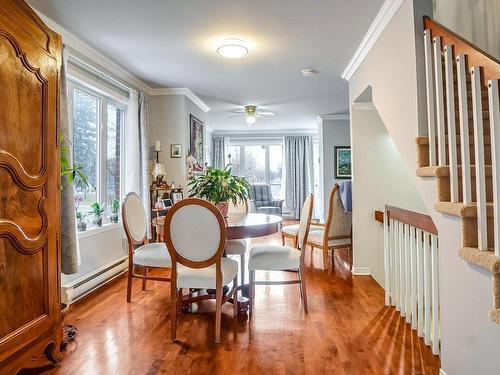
(251, 113)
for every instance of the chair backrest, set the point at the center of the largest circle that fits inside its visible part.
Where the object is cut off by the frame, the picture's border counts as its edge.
(195, 233)
(260, 193)
(305, 221)
(338, 221)
(134, 218)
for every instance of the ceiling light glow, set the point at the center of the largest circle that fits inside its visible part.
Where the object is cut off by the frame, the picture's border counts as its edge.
(232, 48)
(251, 120)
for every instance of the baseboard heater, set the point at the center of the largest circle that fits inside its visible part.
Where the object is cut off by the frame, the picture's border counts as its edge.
(79, 288)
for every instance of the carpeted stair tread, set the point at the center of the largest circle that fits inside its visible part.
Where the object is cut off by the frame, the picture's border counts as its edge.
(461, 209)
(423, 140)
(444, 171)
(483, 259)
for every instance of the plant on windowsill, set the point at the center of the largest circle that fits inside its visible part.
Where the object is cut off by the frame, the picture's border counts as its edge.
(81, 223)
(115, 208)
(220, 187)
(97, 211)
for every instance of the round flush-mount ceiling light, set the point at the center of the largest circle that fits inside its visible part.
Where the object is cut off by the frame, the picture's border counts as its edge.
(232, 48)
(308, 72)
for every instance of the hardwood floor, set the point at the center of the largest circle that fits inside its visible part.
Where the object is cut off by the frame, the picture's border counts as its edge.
(348, 330)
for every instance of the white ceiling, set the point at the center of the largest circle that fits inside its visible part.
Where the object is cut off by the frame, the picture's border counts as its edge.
(171, 43)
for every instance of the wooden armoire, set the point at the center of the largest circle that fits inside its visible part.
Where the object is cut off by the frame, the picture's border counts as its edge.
(30, 312)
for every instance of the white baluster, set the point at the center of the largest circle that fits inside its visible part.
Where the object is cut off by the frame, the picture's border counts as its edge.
(408, 273)
(429, 84)
(427, 289)
(463, 108)
(387, 267)
(402, 286)
(414, 271)
(438, 79)
(435, 295)
(420, 281)
(450, 110)
(477, 109)
(494, 105)
(397, 248)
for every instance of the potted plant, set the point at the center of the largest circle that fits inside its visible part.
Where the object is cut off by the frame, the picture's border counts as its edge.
(81, 223)
(220, 187)
(97, 210)
(115, 208)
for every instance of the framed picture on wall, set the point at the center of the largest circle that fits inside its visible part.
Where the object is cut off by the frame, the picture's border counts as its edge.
(342, 162)
(175, 151)
(196, 142)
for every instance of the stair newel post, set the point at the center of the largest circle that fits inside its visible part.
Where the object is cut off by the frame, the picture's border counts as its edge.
(429, 84)
(463, 111)
(494, 107)
(451, 122)
(477, 112)
(438, 80)
(387, 266)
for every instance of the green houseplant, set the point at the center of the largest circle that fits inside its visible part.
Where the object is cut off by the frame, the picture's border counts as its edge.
(115, 208)
(97, 210)
(220, 187)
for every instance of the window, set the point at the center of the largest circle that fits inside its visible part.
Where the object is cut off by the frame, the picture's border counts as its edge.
(259, 163)
(98, 124)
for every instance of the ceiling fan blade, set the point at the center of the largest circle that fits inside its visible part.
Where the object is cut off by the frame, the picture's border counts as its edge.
(266, 113)
(234, 116)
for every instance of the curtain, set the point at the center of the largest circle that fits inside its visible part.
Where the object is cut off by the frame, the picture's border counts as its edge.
(299, 179)
(132, 146)
(145, 176)
(218, 152)
(70, 253)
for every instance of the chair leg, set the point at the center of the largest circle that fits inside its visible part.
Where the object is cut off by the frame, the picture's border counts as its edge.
(325, 258)
(173, 312)
(294, 241)
(252, 292)
(235, 297)
(243, 266)
(303, 288)
(283, 238)
(129, 281)
(218, 312)
(146, 270)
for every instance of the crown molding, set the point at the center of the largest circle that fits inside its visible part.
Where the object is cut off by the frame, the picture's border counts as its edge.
(93, 54)
(364, 106)
(344, 117)
(182, 91)
(384, 16)
(209, 129)
(265, 132)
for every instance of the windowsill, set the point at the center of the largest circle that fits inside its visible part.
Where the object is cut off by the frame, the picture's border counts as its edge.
(96, 230)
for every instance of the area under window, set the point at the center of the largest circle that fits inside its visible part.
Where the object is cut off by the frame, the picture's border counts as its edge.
(260, 164)
(98, 124)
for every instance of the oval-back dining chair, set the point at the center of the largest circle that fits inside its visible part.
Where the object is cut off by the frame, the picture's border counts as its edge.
(147, 255)
(195, 233)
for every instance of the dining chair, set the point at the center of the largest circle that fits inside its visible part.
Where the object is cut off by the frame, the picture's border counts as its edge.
(141, 252)
(291, 231)
(239, 246)
(283, 258)
(195, 233)
(336, 233)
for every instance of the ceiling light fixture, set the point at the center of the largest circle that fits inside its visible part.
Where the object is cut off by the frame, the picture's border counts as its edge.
(250, 120)
(308, 72)
(232, 48)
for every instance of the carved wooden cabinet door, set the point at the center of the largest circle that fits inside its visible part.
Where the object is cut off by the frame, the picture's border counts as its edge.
(30, 56)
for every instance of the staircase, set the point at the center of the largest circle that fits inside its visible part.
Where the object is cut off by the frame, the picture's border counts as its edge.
(462, 148)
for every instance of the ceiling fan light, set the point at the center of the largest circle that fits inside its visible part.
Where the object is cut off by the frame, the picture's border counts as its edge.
(251, 120)
(232, 48)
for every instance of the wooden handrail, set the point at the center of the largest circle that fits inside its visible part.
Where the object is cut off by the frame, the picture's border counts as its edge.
(475, 56)
(415, 219)
(379, 216)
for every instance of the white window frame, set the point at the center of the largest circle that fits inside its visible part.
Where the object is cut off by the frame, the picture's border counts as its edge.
(104, 98)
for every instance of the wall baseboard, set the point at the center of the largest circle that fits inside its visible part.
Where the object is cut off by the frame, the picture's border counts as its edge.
(361, 271)
(441, 372)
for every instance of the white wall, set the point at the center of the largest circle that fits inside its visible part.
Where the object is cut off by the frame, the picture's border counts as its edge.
(380, 177)
(331, 133)
(394, 70)
(169, 123)
(478, 21)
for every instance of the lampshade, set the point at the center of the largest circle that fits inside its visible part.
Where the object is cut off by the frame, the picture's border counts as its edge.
(159, 170)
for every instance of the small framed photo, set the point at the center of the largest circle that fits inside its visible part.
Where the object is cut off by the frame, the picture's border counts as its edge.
(176, 196)
(176, 151)
(342, 162)
(167, 202)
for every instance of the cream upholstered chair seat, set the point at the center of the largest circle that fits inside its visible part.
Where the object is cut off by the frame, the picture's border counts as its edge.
(293, 230)
(153, 255)
(273, 258)
(316, 238)
(236, 247)
(205, 277)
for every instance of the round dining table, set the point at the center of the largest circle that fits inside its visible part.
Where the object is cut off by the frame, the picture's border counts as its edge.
(239, 225)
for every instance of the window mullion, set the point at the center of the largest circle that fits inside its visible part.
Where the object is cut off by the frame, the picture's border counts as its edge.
(102, 151)
(267, 167)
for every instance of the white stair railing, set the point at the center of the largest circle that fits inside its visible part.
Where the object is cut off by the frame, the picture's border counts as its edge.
(494, 104)
(412, 271)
